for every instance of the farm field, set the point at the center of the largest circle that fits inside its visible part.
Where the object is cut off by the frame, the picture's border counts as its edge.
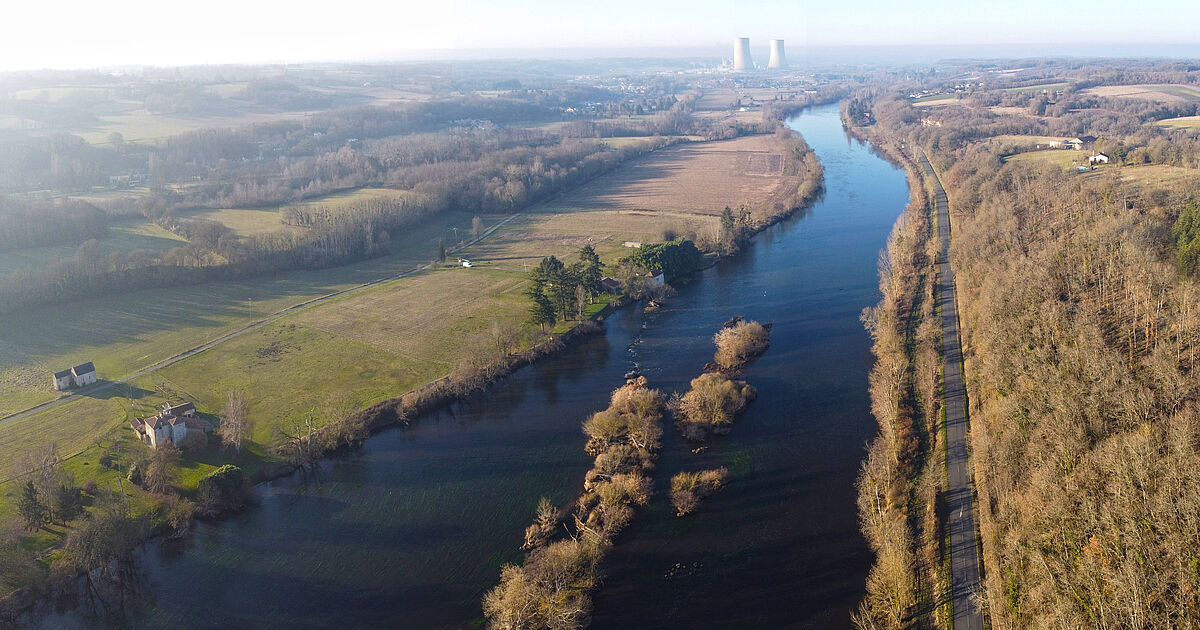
(126, 333)
(251, 221)
(679, 190)
(1049, 87)
(934, 100)
(139, 125)
(1156, 93)
(1064, 158)
(356, 349)
(123, 236)
(698, 178)
(1183, 122)
(1026, 140)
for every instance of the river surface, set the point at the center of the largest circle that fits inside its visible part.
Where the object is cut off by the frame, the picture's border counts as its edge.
(410, 530)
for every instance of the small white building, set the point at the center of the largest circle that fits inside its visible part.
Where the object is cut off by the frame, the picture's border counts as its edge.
(172, 423)
(633, 244)
(78, 376)
(62, 380)
(1098, 158)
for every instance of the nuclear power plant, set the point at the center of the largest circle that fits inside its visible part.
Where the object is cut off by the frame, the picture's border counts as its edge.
(741, 54)
(778, 59)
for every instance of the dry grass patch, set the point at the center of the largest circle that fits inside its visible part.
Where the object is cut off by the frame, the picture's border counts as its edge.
(523, 242)
(1183, 122)
(429, 317)
(697, 178)
(1155, 93)
(1063, 158)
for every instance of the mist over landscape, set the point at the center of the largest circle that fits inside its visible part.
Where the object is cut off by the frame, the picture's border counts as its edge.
(651, 315)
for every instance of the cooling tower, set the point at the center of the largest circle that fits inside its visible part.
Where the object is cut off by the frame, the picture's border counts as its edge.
(778, 59)
(741, 54)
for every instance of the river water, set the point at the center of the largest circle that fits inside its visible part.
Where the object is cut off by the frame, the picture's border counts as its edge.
(410, 530)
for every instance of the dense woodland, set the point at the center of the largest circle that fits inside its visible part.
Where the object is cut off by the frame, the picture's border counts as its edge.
(1079, 302)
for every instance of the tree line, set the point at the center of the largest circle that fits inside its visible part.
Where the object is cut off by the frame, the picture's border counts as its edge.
(1080, 331)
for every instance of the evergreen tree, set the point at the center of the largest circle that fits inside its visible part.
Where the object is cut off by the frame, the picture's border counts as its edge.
(33, 511)
(589, 272)
(441, 251)
(542, 311)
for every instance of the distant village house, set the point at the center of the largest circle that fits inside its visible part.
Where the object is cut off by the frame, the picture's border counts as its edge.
(1081, 142)
(655, 277)
(610, 285)
(172, 424)
(78, 376)
(1098, 158)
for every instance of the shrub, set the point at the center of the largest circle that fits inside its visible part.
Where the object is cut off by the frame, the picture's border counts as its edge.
(687, 489)
(711, 405)
(222, 490)
(740, 344)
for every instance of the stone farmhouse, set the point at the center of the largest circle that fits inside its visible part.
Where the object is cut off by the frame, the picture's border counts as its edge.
(78, 376)
(171, 424)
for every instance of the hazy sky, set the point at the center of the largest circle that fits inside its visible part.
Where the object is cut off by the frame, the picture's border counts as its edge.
(75, 33)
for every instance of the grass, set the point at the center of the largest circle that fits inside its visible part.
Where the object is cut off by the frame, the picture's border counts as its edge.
(1049, 87)
(125, 333)
(1157, 93)
(934, 99)
(244, 222)
(368, 346)
(1064, 158)
(139, 125)
(1183, 122)
(123, 236)
(1026, 140)
(251, 221)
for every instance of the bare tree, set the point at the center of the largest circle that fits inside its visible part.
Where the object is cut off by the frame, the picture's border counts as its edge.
(158, 471)
(235, 421)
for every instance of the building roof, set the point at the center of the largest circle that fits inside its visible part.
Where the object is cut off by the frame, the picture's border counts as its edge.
(62, 374)
(653, 273)
(179, 409)
(83, 368)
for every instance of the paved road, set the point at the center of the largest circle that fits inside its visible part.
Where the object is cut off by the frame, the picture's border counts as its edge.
(964, 558)
(88, 391)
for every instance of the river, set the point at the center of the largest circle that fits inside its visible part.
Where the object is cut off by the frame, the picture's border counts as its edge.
(410, 530)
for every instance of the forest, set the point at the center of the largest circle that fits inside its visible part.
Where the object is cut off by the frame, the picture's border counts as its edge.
(1078, 295)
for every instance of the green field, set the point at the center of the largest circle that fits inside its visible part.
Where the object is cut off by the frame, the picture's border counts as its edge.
(1060, 157)
(126, 333)
(933, 99)
(139, 125)
(123, 236)
(1049, 87)
(244, 222)
(367, 346)
(1183, 122)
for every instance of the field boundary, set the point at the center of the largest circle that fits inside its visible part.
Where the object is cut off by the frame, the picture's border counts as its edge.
(245, 329)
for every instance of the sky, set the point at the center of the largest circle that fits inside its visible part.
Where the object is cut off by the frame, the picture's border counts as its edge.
(86, 34)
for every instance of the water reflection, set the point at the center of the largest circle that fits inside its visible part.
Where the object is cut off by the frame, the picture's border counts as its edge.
(412, 528)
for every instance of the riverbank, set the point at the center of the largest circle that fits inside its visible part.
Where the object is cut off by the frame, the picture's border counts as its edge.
(903, 482)
(426, 399)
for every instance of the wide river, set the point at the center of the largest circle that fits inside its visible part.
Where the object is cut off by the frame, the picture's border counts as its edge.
(410, 530)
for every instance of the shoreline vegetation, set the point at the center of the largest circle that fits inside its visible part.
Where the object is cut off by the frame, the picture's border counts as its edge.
(305, 444)
(901, 479)
(552, 588)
